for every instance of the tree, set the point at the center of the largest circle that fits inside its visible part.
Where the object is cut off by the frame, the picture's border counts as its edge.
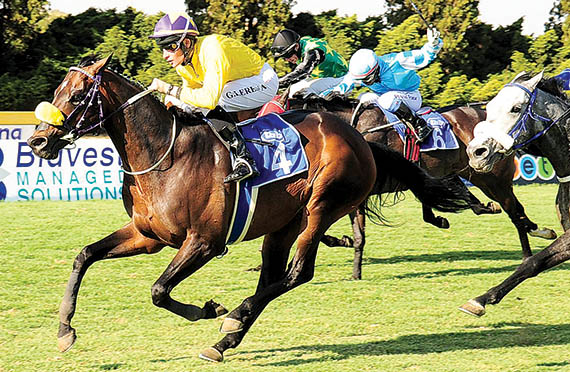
(18, 28)
(254, 22)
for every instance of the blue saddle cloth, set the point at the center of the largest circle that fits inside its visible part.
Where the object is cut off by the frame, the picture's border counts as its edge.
(442, 136)
(280, 156)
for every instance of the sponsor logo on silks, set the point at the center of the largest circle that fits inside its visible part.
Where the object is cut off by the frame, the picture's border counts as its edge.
(272, 135)
(245, 91)
(3, 174)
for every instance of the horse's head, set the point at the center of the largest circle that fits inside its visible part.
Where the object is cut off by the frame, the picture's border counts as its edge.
(507, 128)
(75, 110)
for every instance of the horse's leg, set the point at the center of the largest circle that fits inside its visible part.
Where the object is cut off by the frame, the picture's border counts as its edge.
(192, 255)
(275, 252)
(498, 189)
(345, 241)
(431, 218)
(563, 205)
(554, 254)
(300, 270)
(358, 226)
(122, 243)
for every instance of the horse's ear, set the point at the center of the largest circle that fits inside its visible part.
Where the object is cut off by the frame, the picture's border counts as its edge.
(102, 63)
(532, 83)
(519, 75)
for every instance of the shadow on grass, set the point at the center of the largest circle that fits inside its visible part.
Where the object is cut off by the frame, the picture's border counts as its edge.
(503, 335)
(448, 257)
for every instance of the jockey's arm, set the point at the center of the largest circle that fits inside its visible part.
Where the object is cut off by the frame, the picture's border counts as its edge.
(343, 88)
(419, 58)
(311, 59)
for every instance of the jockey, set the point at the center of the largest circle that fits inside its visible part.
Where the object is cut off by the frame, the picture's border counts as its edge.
(564, 79)
(219, 74)
(393, 80)
(314, 58)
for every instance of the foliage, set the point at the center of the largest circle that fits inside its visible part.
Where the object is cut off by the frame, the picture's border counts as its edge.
(38, 45)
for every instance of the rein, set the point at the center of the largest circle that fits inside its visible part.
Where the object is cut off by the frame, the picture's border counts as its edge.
(520, 126)
(75, 132)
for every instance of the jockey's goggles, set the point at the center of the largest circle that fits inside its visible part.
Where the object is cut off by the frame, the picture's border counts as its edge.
(371, 78)
(172, 47)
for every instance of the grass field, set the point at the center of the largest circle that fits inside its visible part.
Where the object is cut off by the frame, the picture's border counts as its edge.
(401, 317)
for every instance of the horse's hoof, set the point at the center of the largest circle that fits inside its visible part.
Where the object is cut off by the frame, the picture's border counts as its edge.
(544, 233)
(211, 355)
(473, 307)
(231, 326)
(494, 207)
(444, 223)
(65, 342)
(213, 310)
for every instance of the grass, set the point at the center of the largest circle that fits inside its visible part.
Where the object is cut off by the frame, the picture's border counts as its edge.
(401, 317)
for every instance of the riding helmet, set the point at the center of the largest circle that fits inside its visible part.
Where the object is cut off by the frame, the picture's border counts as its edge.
(362, 64)
(284, 43)
(173, 27)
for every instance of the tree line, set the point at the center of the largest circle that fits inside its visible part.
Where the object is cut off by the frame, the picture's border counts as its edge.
(38, 45)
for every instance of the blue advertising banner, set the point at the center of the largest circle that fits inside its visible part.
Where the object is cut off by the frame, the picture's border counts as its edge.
(90, 170)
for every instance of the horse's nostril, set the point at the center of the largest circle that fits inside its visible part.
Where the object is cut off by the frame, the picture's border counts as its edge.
(480, 152)
(37, 142)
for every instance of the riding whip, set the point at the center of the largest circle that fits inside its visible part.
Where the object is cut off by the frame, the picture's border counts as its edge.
(420, 14)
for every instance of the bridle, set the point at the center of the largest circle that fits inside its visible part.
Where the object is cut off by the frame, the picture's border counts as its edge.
(520, 126)
(79, 129)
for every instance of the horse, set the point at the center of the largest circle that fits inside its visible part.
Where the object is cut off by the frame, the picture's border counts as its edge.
(173, 191)
(497, 185)
(529, 113)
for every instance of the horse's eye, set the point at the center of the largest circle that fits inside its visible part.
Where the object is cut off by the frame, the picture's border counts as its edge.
(516, 109)
(76, 99)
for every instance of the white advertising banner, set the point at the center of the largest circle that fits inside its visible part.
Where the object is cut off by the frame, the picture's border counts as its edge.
(90, 170)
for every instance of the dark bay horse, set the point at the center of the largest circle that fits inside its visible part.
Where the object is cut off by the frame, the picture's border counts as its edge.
(183, 203)
(530, 113)
(497, 185)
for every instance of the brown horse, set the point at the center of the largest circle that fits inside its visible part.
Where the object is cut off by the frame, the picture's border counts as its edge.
(182, 201)
(497, 185)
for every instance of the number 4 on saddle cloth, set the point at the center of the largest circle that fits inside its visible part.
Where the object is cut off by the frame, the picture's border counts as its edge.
(276, 148)
(441, 138)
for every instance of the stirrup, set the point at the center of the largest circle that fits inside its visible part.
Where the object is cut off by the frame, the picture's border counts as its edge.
(242, 171)
(423, 133)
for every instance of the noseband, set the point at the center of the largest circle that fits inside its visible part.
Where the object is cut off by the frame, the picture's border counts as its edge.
(520, 126)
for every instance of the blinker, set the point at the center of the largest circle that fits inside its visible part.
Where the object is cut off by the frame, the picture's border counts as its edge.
(48, 113)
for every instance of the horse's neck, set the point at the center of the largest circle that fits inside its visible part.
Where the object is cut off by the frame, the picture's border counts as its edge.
(463, 120)
(142, 131)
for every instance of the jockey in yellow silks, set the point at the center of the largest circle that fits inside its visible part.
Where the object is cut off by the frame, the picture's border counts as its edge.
(218, 74)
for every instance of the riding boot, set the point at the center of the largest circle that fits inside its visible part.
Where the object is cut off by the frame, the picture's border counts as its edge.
(224, 126)
(244, 165)
(420, 127)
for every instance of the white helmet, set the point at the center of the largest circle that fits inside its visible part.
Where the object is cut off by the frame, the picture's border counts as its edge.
(362, 64)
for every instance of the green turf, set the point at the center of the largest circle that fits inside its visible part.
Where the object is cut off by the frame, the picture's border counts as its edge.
(401, 317)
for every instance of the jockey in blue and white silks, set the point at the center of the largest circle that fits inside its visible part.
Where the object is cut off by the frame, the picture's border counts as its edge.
(393, 80)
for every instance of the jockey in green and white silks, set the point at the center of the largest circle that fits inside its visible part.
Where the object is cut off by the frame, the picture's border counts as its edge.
(320, 66)
(392, 79)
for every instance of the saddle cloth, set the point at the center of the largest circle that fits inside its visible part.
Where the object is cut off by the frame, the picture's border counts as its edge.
(442, 136)
(281, 155)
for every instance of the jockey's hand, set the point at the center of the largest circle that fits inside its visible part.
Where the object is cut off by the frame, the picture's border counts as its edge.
(159, 86)
(433, 36)
(331, 94)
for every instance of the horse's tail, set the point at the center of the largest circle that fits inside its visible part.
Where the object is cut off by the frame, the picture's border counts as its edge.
(441, 194)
